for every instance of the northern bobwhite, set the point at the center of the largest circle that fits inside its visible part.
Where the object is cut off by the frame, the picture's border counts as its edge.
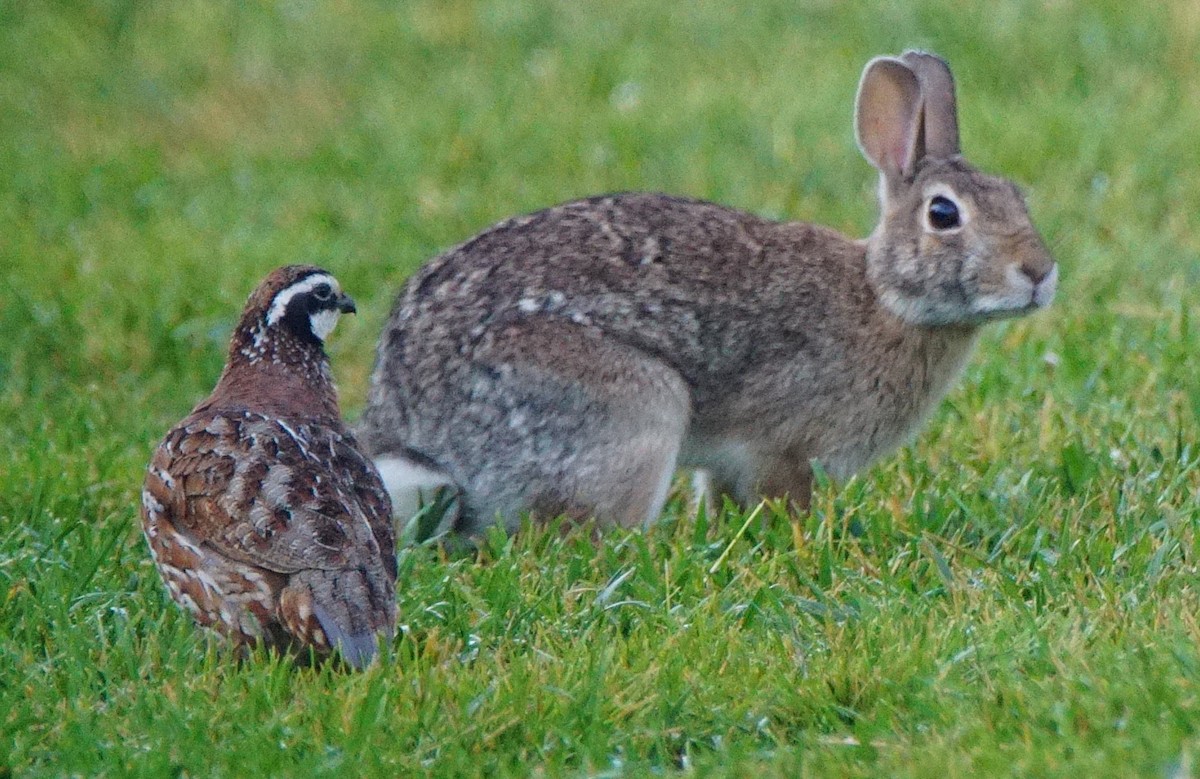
(265, 521)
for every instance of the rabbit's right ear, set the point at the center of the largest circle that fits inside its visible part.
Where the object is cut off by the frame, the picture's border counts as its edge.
(888, 116)
(939, 110)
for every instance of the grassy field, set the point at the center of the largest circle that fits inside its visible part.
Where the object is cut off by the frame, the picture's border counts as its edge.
(1016, 594)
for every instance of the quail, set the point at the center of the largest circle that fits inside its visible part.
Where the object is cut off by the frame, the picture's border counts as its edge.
(264, 519)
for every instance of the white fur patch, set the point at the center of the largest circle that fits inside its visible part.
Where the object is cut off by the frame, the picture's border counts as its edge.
(1021, 293)
(654, 510)
(409, 484)
(728, 457)
(1017, 294)
(1043, 293)
(307, 284)
(922, 310)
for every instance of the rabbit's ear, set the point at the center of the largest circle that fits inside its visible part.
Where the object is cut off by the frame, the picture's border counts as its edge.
(888, 116)
(939, 110)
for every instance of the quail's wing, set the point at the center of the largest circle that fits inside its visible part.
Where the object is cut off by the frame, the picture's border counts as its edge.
(358, 475)
(261, 491)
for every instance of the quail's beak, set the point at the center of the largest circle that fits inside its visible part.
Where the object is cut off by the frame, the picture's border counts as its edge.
(345, 304)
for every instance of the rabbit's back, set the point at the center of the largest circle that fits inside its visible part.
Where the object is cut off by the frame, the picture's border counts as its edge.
(709, 290)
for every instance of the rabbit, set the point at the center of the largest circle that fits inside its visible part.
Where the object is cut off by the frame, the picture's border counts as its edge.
(568, 361)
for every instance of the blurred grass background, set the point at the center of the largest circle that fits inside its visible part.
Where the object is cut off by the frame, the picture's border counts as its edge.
(1015, 594)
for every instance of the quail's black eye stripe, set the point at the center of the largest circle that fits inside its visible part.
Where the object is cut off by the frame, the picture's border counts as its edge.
(308, 284)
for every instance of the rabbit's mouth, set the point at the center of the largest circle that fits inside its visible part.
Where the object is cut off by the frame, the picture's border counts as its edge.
(1043, 291)
(1024, 293)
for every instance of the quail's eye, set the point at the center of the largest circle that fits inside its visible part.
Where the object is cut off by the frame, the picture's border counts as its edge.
(322, 292)
(943, 213)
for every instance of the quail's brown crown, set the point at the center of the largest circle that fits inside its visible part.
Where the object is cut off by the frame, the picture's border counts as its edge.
(277, 359)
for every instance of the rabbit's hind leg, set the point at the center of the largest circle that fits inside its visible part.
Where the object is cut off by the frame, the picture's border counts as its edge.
(587, 427)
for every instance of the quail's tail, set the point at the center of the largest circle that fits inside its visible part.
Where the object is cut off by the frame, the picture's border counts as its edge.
(346, 611)
(357, 648)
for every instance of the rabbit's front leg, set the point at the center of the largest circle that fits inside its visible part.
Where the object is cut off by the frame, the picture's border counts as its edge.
(746, 475)
(786, 475)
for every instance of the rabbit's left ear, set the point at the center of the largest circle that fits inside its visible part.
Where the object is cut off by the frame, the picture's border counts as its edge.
(887, 117)
(938, 135)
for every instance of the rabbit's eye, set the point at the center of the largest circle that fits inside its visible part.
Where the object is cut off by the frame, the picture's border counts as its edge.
(943, 213)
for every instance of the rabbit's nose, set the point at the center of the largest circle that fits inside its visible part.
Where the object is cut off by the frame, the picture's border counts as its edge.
(1036, 271)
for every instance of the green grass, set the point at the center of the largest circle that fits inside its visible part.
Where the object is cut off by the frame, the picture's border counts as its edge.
(1014, 594)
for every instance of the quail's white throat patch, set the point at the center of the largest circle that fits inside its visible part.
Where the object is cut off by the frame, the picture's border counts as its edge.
(323, 322)
(307, 284)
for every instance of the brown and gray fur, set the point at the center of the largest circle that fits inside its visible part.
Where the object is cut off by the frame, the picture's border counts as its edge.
(568, 361)
(265, 521)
